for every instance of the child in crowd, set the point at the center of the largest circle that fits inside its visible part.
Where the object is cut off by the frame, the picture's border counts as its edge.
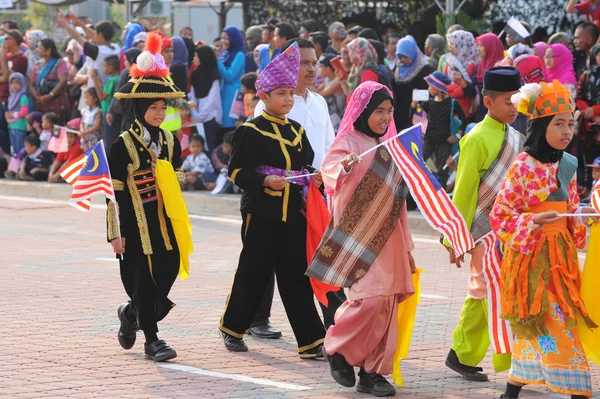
(48, 121)
(199, 172)
(595, 166)
(91, 120)
(248, 81)
(36, 163)
(34, 122)
(222, 154)
(185, 133)
(106, 93)
(16, 111)
(441, 111)
(64, 158)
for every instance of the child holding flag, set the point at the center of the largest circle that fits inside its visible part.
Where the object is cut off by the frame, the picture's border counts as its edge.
(540, 275)
(486, 153)
(141, 233)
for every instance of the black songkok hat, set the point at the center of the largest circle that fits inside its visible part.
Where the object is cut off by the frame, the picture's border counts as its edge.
(503, 79)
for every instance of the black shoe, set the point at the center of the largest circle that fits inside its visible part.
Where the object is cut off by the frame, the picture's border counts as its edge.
(340, 370)
(467, 372)
(315, 353)
(233, 344)
(159, 351)
(128, 329)
(374, 384)
(265, 331)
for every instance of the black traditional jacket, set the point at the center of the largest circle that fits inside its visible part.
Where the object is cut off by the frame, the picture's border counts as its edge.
(269, 141)
(142, 217)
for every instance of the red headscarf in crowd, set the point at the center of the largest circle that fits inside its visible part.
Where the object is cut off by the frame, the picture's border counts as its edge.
(494, 53)
(531, 68)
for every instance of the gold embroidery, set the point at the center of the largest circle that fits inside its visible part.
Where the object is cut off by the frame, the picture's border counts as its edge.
(360, 273)
(138, 208)
(313, 345)
(234, 174)
(298, 135)
(232, 333)
(288, 166)
(180, 175)
(169, 140)
(384, 154)
(275, 137)
(158, 96)
(248, 218)
(112, 220)
(131, 150)
(118, 185)
(326, 251)
(273, 193)
(275, 119)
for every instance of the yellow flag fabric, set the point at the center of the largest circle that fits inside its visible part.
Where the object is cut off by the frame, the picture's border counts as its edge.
(177, 212)
(591, 296)
(407, 311)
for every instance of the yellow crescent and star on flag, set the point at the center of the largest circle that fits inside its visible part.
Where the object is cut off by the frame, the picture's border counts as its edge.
(96, 163)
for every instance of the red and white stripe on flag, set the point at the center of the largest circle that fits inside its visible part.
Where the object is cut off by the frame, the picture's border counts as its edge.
(434, 204)
(596, 196)
(69, 173)
(499, 329)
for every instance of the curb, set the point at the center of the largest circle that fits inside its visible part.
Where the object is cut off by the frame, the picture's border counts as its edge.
(198, 202)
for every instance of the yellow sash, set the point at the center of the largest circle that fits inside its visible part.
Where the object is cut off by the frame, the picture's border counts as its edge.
(407, 311)
(591, 296)
(177, 212)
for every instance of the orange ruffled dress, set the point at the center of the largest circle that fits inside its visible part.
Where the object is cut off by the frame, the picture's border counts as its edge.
(541, 278)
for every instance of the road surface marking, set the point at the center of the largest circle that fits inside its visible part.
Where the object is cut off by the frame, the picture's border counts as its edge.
(236, 377)
(433, 296)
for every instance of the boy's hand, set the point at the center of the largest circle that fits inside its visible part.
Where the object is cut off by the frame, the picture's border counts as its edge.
(457, 76)
(109, 119)
(61, 19)
(118, 245)
(190, 179)
(547, 217)
(590, 210)
(452, 139)
(317, 178)
(411, 262)
(34, 170)
(275, 182)
(53, 178)
(192, 105)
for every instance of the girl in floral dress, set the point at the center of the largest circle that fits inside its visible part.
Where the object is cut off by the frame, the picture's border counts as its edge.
(541, 278)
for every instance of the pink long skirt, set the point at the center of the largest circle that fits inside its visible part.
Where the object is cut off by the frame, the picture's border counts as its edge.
(365, 333)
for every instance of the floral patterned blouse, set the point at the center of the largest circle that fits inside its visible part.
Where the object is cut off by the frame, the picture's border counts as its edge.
(528, 183)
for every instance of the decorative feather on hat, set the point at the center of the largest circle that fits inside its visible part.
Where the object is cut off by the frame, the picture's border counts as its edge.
(150, 75)
(543, 99)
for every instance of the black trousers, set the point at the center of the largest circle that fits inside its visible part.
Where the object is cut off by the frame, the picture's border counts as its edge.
(273, 246)
(441, 151)
(147, 281)
(335, 300)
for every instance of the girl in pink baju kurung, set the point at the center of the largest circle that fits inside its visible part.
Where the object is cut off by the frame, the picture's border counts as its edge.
(365, 330)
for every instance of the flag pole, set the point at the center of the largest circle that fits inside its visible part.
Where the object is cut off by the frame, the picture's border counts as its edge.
(385, 142)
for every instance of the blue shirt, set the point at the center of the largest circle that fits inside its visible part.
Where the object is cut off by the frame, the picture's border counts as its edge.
(265, 57)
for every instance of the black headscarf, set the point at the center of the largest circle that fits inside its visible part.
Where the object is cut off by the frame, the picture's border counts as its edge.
(361, 124)
(189, 43)
(140, 106)
(536, 144)
(132, 54)
(380, 49)
(204, 76)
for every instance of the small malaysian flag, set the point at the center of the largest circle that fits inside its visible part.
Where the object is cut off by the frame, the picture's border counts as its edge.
(89, 175)
(432, 199)
(420, 116)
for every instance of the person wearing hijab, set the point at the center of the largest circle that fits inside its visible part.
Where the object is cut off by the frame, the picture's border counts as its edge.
(17, 109)
(539, 49)
(179, 66)
(119, 113)
(231, 64)
(266, 149)
(559, 66)
(363, 57)
(461, 63)
(491, 52)
(33, 38)
(435, 46)
(366, 328)
(205, 94)
(382, 70)
(540, 272)
(588, 102)
(145, 163)
(485, 155)
(410, 75)
(189, 44)
(531, 70)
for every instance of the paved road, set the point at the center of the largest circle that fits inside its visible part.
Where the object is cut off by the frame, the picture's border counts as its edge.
(59, 293)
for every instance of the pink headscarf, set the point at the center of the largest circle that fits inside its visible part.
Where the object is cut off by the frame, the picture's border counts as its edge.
(562, 69)
(494, 53)
(540, 48)
(356, 106)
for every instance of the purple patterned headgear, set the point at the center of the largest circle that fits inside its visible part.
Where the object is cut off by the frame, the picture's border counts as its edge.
(281, 72)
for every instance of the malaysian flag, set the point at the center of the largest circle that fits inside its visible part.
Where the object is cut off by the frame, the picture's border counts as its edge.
(420, 116)
(89, 175)
(58, 141)
(596, 196)
(499, 330)
(432, 199)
